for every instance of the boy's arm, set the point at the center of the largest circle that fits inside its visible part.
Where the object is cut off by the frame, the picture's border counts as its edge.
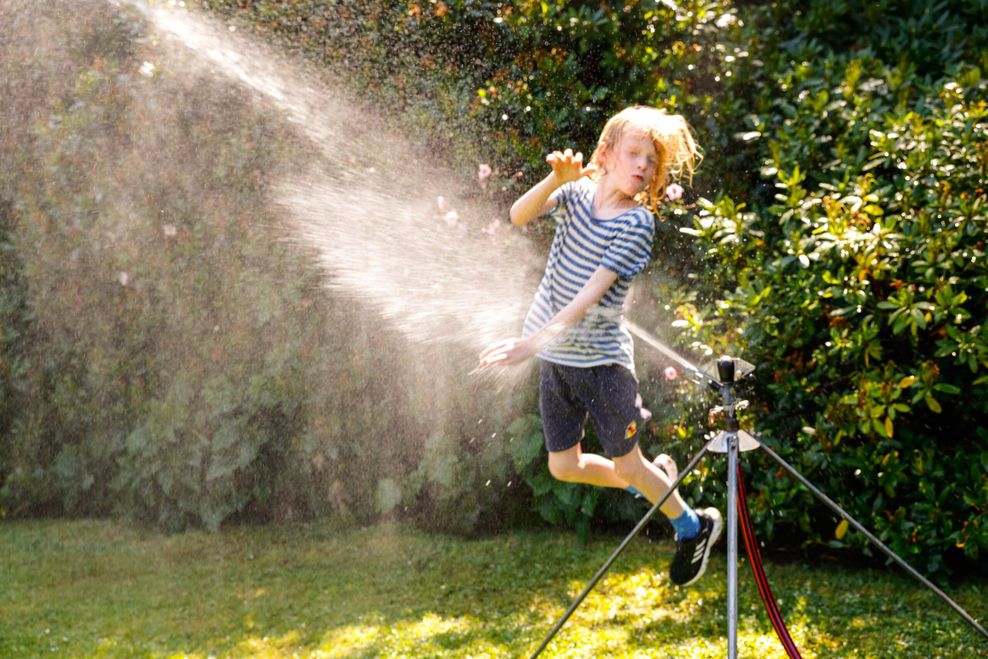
(513, 351)
(538, 201)
(540, 198)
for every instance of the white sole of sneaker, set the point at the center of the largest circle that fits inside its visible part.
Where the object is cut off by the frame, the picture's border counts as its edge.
(668, 465)
(714, 537)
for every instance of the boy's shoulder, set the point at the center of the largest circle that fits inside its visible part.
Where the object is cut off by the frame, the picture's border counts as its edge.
(581, 189)
(638, 218)
(642, 216)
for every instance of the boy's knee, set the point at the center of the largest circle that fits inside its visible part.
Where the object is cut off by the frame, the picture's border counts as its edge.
(562, 467)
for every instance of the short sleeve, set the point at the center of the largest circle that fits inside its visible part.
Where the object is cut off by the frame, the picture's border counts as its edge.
(631, 249)
(564, 201)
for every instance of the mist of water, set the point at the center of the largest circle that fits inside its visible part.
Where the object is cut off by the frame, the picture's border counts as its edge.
(653, 342)
(381, 217)
(382, 223)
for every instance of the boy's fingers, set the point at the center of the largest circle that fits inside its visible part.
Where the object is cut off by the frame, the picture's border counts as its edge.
(490, 353)
(493, 361)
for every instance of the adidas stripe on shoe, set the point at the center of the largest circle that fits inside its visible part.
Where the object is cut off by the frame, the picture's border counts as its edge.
(691, 557)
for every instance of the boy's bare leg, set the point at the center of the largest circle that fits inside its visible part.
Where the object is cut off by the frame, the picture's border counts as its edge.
(650, 480)
(575, 466)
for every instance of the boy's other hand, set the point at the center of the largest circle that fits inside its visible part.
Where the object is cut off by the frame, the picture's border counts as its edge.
(568, 166)
(507, 352)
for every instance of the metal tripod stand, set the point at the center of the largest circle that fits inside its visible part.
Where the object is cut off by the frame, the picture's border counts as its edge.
(732, 441)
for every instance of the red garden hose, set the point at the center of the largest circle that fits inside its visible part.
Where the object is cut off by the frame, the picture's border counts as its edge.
(754, 557)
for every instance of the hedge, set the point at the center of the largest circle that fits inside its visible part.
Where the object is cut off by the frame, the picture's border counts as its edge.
(833, 236)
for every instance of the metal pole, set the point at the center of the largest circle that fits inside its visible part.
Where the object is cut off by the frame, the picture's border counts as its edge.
(726, 373)
(617, 552)
(875, 541)
(732, 545)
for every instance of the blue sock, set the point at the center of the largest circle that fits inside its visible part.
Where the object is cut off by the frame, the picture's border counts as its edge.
(634, 490)
(687, 525)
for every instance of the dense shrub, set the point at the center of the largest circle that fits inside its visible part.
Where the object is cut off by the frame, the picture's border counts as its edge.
(167, 355)
(860, 291)
(834, 237)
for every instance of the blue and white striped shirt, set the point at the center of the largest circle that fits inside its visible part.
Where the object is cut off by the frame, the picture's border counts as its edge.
(581, 244)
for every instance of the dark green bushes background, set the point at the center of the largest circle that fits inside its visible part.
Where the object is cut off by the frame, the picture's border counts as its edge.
(834, 236)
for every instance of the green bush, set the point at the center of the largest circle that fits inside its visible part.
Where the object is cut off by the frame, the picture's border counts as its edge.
(168, 355)
(846, 163)
(858, 288)
(15, 320)
(834, 237)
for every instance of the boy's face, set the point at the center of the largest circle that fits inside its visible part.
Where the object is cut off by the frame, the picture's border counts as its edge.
(631, 163)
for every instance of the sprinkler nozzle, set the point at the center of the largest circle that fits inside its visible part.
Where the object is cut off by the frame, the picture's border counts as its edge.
(725, 369)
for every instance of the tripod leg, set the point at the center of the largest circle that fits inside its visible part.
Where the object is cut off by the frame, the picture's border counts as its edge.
(875, 541)
(617, 552)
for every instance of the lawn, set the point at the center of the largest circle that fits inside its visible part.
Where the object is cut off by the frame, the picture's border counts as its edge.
(100, 588)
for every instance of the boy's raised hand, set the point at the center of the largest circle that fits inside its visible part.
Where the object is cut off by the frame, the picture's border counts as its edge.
(568, 166)
(507, 352)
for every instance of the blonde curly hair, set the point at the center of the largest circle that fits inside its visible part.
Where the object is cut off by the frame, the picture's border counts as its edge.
(677, 152)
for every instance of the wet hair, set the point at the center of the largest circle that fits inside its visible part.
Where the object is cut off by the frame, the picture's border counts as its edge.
(677, 152)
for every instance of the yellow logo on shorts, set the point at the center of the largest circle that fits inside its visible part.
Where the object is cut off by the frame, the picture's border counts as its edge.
(630, 431)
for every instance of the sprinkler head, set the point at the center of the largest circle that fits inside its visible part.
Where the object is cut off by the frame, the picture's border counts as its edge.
(728, 370)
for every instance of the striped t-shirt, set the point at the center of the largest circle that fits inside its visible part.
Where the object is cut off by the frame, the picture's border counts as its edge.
(581, 244)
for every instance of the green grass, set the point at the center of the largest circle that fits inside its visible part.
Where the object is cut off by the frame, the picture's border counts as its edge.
(95, 588)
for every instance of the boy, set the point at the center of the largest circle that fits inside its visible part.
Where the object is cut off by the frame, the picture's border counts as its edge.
(604, 230)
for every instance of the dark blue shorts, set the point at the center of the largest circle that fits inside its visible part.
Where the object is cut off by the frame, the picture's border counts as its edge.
(607, 394)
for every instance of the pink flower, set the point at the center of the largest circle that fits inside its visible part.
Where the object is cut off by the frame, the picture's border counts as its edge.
(670, 373)
(442, 204)
(452, 218)
(123, 278)
(674, 192)
(170, 230)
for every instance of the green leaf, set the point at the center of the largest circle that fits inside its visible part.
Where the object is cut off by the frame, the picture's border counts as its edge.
(907, 381)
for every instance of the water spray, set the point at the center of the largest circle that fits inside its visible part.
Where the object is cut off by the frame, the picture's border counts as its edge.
(732, 441)
(377, 216)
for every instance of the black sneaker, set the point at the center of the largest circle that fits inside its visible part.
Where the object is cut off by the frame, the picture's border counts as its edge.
(691, 555)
